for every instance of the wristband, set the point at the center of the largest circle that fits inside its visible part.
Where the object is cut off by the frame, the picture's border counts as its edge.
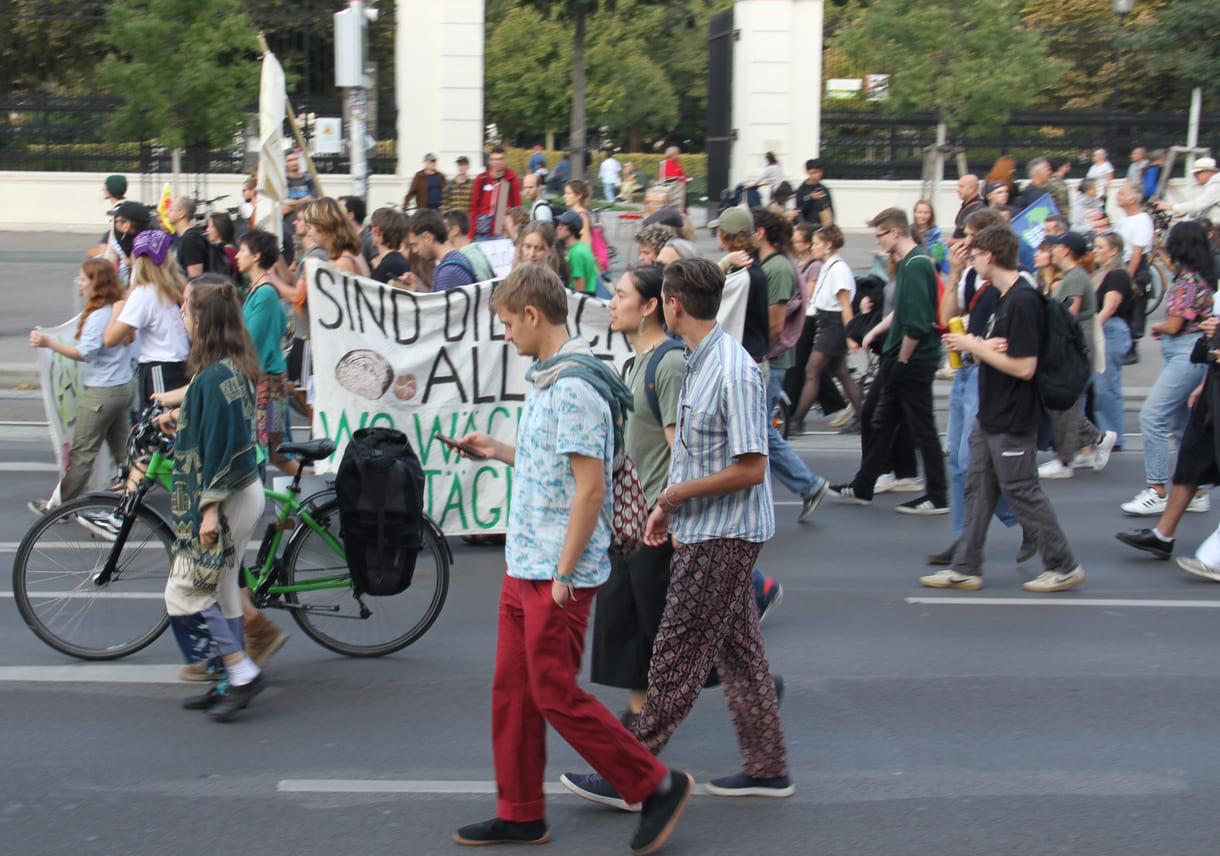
(673, 506)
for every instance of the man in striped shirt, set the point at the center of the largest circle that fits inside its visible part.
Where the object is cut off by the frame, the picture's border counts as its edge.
(717, 506)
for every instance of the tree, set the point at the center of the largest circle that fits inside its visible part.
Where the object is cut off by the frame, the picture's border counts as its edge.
(1182, 44)
(968, 61)
(187, 70)
(527, 73)
(628, 91)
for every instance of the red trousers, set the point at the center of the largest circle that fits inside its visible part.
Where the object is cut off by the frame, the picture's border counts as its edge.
(538, 651)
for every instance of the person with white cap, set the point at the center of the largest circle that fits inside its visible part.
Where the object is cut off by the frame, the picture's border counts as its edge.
(1207, 203)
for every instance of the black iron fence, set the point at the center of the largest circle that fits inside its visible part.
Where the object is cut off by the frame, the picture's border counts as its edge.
(863, 145)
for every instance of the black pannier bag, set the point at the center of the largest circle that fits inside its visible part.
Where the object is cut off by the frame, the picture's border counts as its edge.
(380, 487)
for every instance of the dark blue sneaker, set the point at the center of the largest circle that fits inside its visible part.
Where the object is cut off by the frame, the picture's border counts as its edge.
(594, 788)
(741, 785)
(496, 831)
(768, 596)
(810, 503)
(661, 813)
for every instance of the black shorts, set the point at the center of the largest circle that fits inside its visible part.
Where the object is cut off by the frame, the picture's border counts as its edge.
(831, 338)
(1197, 452)
(159, 377)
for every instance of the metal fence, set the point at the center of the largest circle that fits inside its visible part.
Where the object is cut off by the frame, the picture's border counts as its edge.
(859, 144)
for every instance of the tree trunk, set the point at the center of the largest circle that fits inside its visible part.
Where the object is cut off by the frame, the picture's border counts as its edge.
(633, 142)
(577, 145)
(550, 140)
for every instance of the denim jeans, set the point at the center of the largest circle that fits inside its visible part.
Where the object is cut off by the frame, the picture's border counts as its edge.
(1165, 410)
(1108, 387)
(963, 410)
(785, 464)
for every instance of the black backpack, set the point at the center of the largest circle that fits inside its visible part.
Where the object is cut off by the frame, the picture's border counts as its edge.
(1064, 367)
(380, 487)
(217, 260)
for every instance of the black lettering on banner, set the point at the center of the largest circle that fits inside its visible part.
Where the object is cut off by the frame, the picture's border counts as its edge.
(580, 310)
(435, 379)
(451, 295)
(505, 395)
(403, 314)
(376, 313)
(324, 280)
(478, 399)
(494, 321)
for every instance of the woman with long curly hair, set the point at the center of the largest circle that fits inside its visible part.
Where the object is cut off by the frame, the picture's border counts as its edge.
(217, 497)
(329, 226)
(102, 411)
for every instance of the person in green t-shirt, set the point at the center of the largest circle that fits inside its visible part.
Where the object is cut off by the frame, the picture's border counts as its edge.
(581, 266)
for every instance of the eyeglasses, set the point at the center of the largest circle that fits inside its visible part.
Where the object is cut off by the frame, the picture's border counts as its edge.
(882, 233)
(973, 253)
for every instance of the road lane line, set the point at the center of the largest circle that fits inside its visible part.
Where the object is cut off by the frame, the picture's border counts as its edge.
(81, 595)
(108, 673)
(1066, 601)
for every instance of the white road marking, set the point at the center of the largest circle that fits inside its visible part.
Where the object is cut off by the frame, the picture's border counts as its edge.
(27, 467)
(108, 673)
(396, 786)
(1066, 601)
(81, 595)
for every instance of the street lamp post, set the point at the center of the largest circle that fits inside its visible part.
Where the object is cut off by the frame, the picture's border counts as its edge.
(1122, 8)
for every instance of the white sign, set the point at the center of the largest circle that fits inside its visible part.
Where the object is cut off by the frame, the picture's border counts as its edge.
(429, 364)
(328, 136)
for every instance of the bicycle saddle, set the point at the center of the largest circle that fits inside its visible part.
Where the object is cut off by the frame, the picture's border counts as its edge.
(309, 450)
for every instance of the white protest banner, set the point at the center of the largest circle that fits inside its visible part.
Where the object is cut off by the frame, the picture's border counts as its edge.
(60, 379)
(499, 253)
(429, 364)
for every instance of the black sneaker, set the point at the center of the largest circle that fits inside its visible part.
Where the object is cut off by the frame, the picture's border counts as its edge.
(1028, 548)
(206, 701)
(628, 718)
(847, 493)
(811, 502)
(496, 831)
(779, 688)
(661, 813)
(741, 785)
(922, 505)
(235, 699)
(594, 788)
(1148, 541)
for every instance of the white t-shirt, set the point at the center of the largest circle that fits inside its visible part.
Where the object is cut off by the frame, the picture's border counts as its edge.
(1102, 173)
(610, 171)
(1136, 231)
(835, 276)
(160, 333)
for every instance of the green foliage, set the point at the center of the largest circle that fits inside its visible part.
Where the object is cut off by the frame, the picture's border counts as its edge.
(527, 72)
(1184, 43)
(968, 61)
(187, 70)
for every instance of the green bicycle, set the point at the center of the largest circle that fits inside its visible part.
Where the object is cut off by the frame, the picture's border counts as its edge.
(89, 577)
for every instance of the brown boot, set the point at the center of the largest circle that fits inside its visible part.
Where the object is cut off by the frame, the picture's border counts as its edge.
(198, 671)
(263, 638)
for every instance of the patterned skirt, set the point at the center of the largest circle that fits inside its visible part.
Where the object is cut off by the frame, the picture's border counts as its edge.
(273, 394)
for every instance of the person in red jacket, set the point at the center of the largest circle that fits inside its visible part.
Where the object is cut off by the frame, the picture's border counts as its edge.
(495, 191)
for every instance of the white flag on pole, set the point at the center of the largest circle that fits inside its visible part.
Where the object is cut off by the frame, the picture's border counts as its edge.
(272, 179)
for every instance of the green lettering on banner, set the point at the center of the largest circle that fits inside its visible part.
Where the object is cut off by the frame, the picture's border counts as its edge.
(474, 499)
(343, 428)
(454, 502)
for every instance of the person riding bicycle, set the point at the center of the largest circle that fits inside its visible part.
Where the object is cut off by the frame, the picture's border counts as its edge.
(217, 495)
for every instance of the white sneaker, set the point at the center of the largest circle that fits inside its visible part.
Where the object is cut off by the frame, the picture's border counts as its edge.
(1081, 461)
(1056, 580)
(842, 417)
(1199, 568)
(1147, 503)
(1201, 503)
(950, 578)
(885, 483)
(1054, 469)
(913, 484)
(1101, 452)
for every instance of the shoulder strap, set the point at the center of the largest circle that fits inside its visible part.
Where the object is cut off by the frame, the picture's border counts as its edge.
(461, 261)
(650, 376)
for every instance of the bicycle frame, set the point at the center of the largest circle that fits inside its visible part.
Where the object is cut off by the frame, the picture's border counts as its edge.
(261, 581)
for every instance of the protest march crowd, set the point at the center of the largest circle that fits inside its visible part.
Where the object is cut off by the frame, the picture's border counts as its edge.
(196, 316)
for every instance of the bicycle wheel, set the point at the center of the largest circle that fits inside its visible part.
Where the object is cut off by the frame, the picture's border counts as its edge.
(1160, 277)
(336, 619)
(54, 573)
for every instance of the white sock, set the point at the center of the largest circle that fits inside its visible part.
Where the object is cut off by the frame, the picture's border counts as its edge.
(242, 673)
(1157, 533)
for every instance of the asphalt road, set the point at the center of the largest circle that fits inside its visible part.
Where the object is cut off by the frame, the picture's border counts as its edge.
(918, 722)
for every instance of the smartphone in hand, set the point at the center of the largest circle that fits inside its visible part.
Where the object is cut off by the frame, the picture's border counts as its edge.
(468, 451)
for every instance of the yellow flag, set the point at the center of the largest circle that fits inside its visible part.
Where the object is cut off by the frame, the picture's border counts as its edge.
(163, 209)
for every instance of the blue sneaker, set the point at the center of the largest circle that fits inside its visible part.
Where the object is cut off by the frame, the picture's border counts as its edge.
(768, 596)
(594, 788)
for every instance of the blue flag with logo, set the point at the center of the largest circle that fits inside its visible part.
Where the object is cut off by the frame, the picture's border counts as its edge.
(1030, 226)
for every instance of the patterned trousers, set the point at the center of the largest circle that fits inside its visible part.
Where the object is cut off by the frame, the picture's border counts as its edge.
(711, 619)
